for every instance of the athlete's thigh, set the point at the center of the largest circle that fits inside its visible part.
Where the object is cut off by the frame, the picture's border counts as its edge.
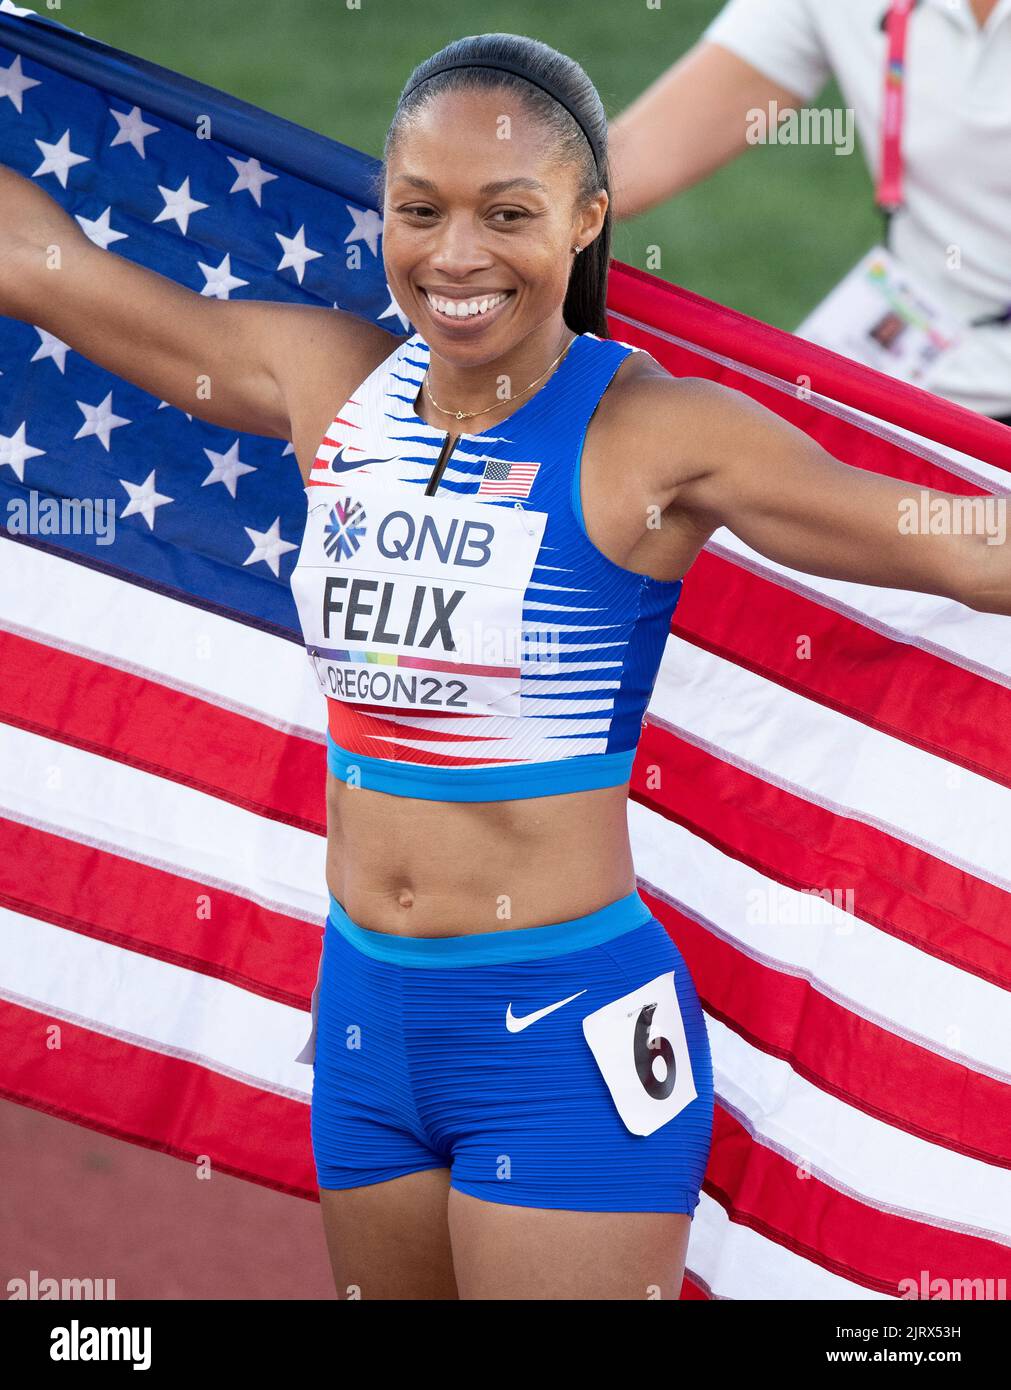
(581, 1133)
(391, 1239)
(513, 1252)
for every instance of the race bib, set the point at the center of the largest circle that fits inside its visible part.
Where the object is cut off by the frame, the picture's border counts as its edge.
(640, 1047)
(879, 314)
(415, 602)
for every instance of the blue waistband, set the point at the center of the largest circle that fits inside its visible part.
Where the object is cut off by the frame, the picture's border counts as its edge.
(502, 782)
(493, 947)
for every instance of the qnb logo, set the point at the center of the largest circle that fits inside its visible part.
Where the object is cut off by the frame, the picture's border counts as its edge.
(402, 536)
(399, 535)
(344, 529)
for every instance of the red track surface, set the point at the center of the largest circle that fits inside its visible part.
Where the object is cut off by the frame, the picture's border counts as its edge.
(77, 1204)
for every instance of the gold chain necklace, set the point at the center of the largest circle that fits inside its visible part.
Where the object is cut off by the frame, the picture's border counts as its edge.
(469, 414)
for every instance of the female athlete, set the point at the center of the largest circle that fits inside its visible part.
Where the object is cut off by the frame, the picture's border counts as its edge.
(513, 1089)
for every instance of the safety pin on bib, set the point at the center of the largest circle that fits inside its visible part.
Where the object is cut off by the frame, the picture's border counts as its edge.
(313, 656)
(522, 511)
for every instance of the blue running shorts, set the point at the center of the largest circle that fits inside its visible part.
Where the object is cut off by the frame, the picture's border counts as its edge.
(562, 1066)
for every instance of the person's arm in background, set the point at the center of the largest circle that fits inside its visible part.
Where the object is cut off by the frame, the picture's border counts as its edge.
(694, 118)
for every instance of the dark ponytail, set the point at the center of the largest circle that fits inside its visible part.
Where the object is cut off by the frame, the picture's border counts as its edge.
(585, 300)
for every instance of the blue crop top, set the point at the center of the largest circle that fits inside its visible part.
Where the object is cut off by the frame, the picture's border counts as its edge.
(473, 644)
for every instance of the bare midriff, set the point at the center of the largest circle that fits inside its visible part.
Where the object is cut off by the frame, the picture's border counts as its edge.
(414, 867)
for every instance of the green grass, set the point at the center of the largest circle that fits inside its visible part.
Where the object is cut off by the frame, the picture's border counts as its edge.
(769, 234)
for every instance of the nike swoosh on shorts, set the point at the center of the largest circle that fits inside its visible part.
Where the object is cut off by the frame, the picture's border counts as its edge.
(516, 1025)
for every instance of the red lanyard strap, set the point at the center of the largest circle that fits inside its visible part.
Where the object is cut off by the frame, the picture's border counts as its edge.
(888, 194)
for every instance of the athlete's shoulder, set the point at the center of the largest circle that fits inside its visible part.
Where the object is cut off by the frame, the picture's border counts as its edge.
(644, 397)
(330, 354)
(347, 345)
(319, 353)
(659, 424)
(641, 397)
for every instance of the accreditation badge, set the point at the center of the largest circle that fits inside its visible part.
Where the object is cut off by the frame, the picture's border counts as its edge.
(413, 602)
(881, 315)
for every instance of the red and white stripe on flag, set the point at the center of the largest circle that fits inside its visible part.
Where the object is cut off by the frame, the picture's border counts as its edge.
(162, 863)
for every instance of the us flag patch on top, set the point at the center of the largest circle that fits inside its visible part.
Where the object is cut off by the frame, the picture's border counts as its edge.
(504, 479)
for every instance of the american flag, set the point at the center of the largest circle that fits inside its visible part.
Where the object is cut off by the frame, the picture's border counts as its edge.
(504, 479)
(824, 836)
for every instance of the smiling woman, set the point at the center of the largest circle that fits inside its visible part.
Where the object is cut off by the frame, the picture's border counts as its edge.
(477, 790)
(483, 713)
(513, 1088)
(464, 253)
(471, 802)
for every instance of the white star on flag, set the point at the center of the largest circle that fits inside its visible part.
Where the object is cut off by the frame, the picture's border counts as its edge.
(58, 159)
(53, 347)
(167, 405)
(143, 499)
(133, 130)
(13, 82)
(14, 450)
(227, 468)
(368, 226)
(8, 7)
(98, 229)
(251, 177)
(100, 420)
(268, 546)
(220, 280)
(179, 205)
(296, 253)
(395, 310)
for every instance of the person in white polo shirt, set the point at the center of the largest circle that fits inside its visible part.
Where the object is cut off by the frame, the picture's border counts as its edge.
(941, 163)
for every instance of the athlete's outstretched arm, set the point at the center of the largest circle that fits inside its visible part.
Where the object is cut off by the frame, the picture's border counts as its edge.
(256, 358)
(743, 467)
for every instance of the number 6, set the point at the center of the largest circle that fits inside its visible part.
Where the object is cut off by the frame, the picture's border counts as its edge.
(646, 1052)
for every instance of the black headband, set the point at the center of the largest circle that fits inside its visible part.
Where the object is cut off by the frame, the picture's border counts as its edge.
(503, 65)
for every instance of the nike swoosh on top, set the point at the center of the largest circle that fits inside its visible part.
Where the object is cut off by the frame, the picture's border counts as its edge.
(516, 1025)
(340, 464)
